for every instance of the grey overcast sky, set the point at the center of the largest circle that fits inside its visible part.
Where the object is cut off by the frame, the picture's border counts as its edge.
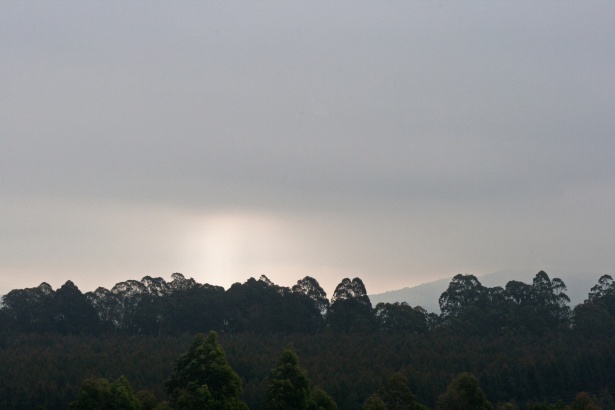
(399, 142)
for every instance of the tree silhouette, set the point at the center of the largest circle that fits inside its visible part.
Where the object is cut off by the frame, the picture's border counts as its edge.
(401, 318)
(351, 309)
(463, 293)
(72, 313)
(311, 288)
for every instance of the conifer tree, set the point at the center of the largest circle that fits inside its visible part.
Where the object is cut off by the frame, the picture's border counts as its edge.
(289, 386)
(203, 379)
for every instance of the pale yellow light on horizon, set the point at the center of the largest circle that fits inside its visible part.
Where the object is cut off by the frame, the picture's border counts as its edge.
(222, 248)
(227, 247)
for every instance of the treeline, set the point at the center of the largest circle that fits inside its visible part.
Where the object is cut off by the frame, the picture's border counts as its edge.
(523, 342)
(153, 306)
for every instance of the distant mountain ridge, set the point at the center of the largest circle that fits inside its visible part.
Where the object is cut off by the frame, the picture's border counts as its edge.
(427, 294)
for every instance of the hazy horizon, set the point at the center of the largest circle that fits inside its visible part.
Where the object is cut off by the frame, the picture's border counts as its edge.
(398, 142)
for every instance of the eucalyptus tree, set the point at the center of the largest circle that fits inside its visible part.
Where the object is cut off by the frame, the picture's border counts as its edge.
(311, 288)
(351, 309)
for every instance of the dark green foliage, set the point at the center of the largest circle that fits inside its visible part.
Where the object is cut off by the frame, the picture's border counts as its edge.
(154, 307)
(464, 393)
(203, 379)
(259, 306)
(29, 309)
(520, 341)
(48, 369)
(583, 402)
(147, 399)
(546, 406)
(537, 308)
(310, 287)
(397, 394)
(99, 394)
(288, 385)
(72, 313)
(195, 309)
(604, 287)
(374, 402)
(506, 406)
(595, 317)
(320, 400)
(550, 301)
(401, 318)
(593, 320)
(351, 310)
(463, 293)
(469, 306)
(42, 309)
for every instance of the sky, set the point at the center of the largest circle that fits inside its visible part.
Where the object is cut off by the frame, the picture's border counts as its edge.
(397, 141)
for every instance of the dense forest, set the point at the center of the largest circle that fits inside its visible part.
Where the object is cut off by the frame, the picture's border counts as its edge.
(521, 346)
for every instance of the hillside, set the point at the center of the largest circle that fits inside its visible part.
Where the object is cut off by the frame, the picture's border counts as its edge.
(426, 295)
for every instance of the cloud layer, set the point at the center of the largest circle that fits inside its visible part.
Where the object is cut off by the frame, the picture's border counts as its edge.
(396, 142)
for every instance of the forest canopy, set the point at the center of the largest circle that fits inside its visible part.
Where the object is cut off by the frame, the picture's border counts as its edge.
(522, 343)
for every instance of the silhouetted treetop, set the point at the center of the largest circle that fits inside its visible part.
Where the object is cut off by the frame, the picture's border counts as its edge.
(203, 378)
(604, 287)
(463, 292)
(354, 290)
(311, 288)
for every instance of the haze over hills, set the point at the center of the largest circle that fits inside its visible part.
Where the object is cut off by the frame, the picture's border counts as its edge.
(427, 294)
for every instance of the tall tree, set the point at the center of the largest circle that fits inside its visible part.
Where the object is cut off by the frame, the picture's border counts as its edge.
(30, 309)
(99, 394)
(463, 293)
(550, 300)
(311, 288)
(464, 393)
(596, 316)
(72, 313)
(203, 378)
(351, 290)
(518, 292)
(397, 394)
(260, 306)
(288, 386)
(593, 320)
(351, 309)
(605, 286)
(604, 294)
(320, 400)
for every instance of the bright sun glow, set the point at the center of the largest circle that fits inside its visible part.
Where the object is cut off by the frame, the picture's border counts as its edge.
(229, 247)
